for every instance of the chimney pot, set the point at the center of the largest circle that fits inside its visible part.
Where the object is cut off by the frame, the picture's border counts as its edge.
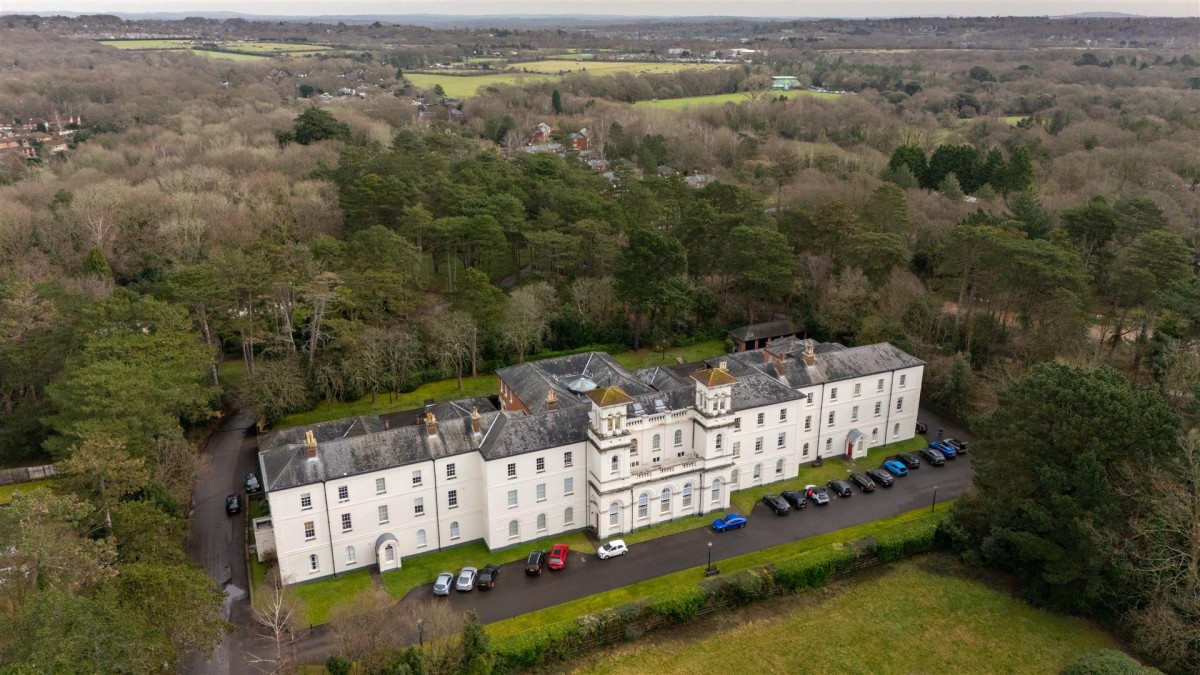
(551, 400)
(476, 427)
(430, 424)
(310, 444)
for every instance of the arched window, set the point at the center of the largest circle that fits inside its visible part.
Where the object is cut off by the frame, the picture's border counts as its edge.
(541, 522)
(514, 529)
(616, 464)
(664, 501)
(779, 467)
(655, 442)
(454, 530)
(896, 429)
(733, 477)
(350, 556)
(716, 490)
(314, 563)
(389, 553)
(720, 442)
(420, 538)
(687, 495)
(569, 516)
(643, 505)
(757, 472)
(806, 449)
(678, 438)
(614, 514)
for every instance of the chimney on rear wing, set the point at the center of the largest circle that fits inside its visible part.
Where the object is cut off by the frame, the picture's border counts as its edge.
(310, 444)
(430, 424)
(809, 358)
(551, 400)
(476, 427)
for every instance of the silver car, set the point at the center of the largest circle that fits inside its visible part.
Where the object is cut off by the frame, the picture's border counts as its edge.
(466, 579)
(444, 581)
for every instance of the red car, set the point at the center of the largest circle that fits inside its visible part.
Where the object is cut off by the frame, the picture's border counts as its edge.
(558, 557)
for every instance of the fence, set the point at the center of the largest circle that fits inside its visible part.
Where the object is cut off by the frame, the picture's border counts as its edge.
(27, 473)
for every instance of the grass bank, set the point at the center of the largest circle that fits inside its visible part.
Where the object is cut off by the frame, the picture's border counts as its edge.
(6, 491)
(919, 616)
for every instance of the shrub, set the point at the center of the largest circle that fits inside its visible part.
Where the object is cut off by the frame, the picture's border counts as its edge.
(747, 586)
(680, 605)
(812, 569)
(535, 647)
(1106, 662)
(904, 540)
(338, 665)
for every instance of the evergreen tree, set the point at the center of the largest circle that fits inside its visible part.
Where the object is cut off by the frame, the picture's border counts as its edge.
(556, 102)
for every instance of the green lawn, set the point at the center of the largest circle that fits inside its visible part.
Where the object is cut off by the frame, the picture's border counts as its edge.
(671, 527)
(317, 598)
(919, 616)
(744, 500)
(6, 491)
(464, 86)
(231, 373)
(228, 55)
(643, 589)
(722, 99)
(646, 358)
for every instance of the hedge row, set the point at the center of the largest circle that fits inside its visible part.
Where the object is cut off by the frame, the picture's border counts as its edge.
(560, 641)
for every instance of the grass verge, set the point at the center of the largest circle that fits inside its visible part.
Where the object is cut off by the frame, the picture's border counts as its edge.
(318, 598)
(6, 491)
(688, 577)
(918, 618)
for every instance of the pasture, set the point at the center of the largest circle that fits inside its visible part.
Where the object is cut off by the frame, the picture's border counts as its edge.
(250, 50)
(464, 86)
(722, 99)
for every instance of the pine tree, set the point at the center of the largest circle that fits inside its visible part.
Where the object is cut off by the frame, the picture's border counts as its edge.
(556, 101)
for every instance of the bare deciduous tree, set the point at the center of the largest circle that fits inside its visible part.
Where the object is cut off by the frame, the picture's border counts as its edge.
(273, 617)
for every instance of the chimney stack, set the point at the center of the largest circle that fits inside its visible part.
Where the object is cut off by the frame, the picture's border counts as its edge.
(766, 356)
(551, 400)
(724, 365)
(430, 424)
(476, 427)
(310, 444)
(809, 358)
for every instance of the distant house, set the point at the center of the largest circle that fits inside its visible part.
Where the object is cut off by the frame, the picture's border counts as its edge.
(542, 147)
(666, 171)
(540, 135)
(784, 82)
(580, 139)
(699, 180)
(759, 334)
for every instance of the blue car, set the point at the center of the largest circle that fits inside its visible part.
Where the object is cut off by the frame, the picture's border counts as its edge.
(895, 468)
(729, 522)
(946, 449)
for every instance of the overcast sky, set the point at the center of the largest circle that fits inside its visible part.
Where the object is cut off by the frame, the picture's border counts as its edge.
(763, 8)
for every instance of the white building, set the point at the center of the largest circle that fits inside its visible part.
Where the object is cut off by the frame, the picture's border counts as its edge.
(573, 442)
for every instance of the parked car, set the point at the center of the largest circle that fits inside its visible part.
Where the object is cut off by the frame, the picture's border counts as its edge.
(932, 456)
(946, 449)
(612, 549)
(796, 499)
(863, 482)
(777, 504)
(922, 428)
(840, 487)
(731, 521)
(558, 556)
(252, 485)
(535, 563)
(960, 446)
(233, 504)
(816, 493)
(910, 460)
(881, 477)
(487, 576)
(895, 467)
(466, 579)
(444, 581)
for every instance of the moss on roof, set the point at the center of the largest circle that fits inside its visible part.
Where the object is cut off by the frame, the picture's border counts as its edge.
(609, 396)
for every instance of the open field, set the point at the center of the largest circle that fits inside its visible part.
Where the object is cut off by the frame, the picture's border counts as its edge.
(6, 491)
(464, 86)
(554, 66)
(918, 616)
(228, 55)
(260, 50)
(722, 99)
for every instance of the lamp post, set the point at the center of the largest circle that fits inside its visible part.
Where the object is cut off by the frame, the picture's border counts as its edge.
(933, 507)
(710, 570)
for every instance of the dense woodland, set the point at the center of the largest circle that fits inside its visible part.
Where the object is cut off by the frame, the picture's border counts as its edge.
(205, 214)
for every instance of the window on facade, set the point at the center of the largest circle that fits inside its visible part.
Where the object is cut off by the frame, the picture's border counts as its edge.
(874, 435)
(389, 554)
(614, 514)
(808, 422)
(720, 442)
(664, 501)
(643, 506)
(454, 532)
(568, 486)
(616, 464)
(380, 486)
(716, 490)
(569, 516)
(828, 445)
(633, 449)
(831, 413)
(541, 464)
(541, 492)
(567, 459)
(416, 478)
(900, 404)
(655, 442)
(512, 498)
(757, 472)
(343, 493)
(783, 414)
(761, 418)
(858, 388)
(833, 394)
(902, 379)
(779, 467)
(310, 531)
(687, 495)
(419, 506)
(678, 438)
(737, 448)
(383, 514)
(350, 557)
(733, 477)
(758, 444)
(878, 408)
(421, 539)
(514, 529)
(451, 471)
(809, 398)
(854, 414)
(541, 522)
(512, 470)
(452, 499)
(806, 449)
(314, 563)
(781, 441)
(346, 526)
(896, 429)
(306, 501)
(737, 424)
(879, 385)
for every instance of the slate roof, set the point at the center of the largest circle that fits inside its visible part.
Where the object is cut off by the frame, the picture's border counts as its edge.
(758, 331)
(752, 388)
(533, 380)
(609, 396)
(831, 364)
(515, 434)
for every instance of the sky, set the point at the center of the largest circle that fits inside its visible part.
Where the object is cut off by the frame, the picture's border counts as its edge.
(749, 8)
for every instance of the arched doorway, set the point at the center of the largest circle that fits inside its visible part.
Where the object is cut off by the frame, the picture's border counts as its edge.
(387, 552)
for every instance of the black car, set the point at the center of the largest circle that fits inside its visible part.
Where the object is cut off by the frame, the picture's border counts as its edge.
(233, 504)
(487, 577)
(933, 456)
(922, 427)
(881, 477)
(863, 482)
(840, 487)
(535, 563)
(796, 499)
(908, 459)
(777, 504)
(960, 446)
